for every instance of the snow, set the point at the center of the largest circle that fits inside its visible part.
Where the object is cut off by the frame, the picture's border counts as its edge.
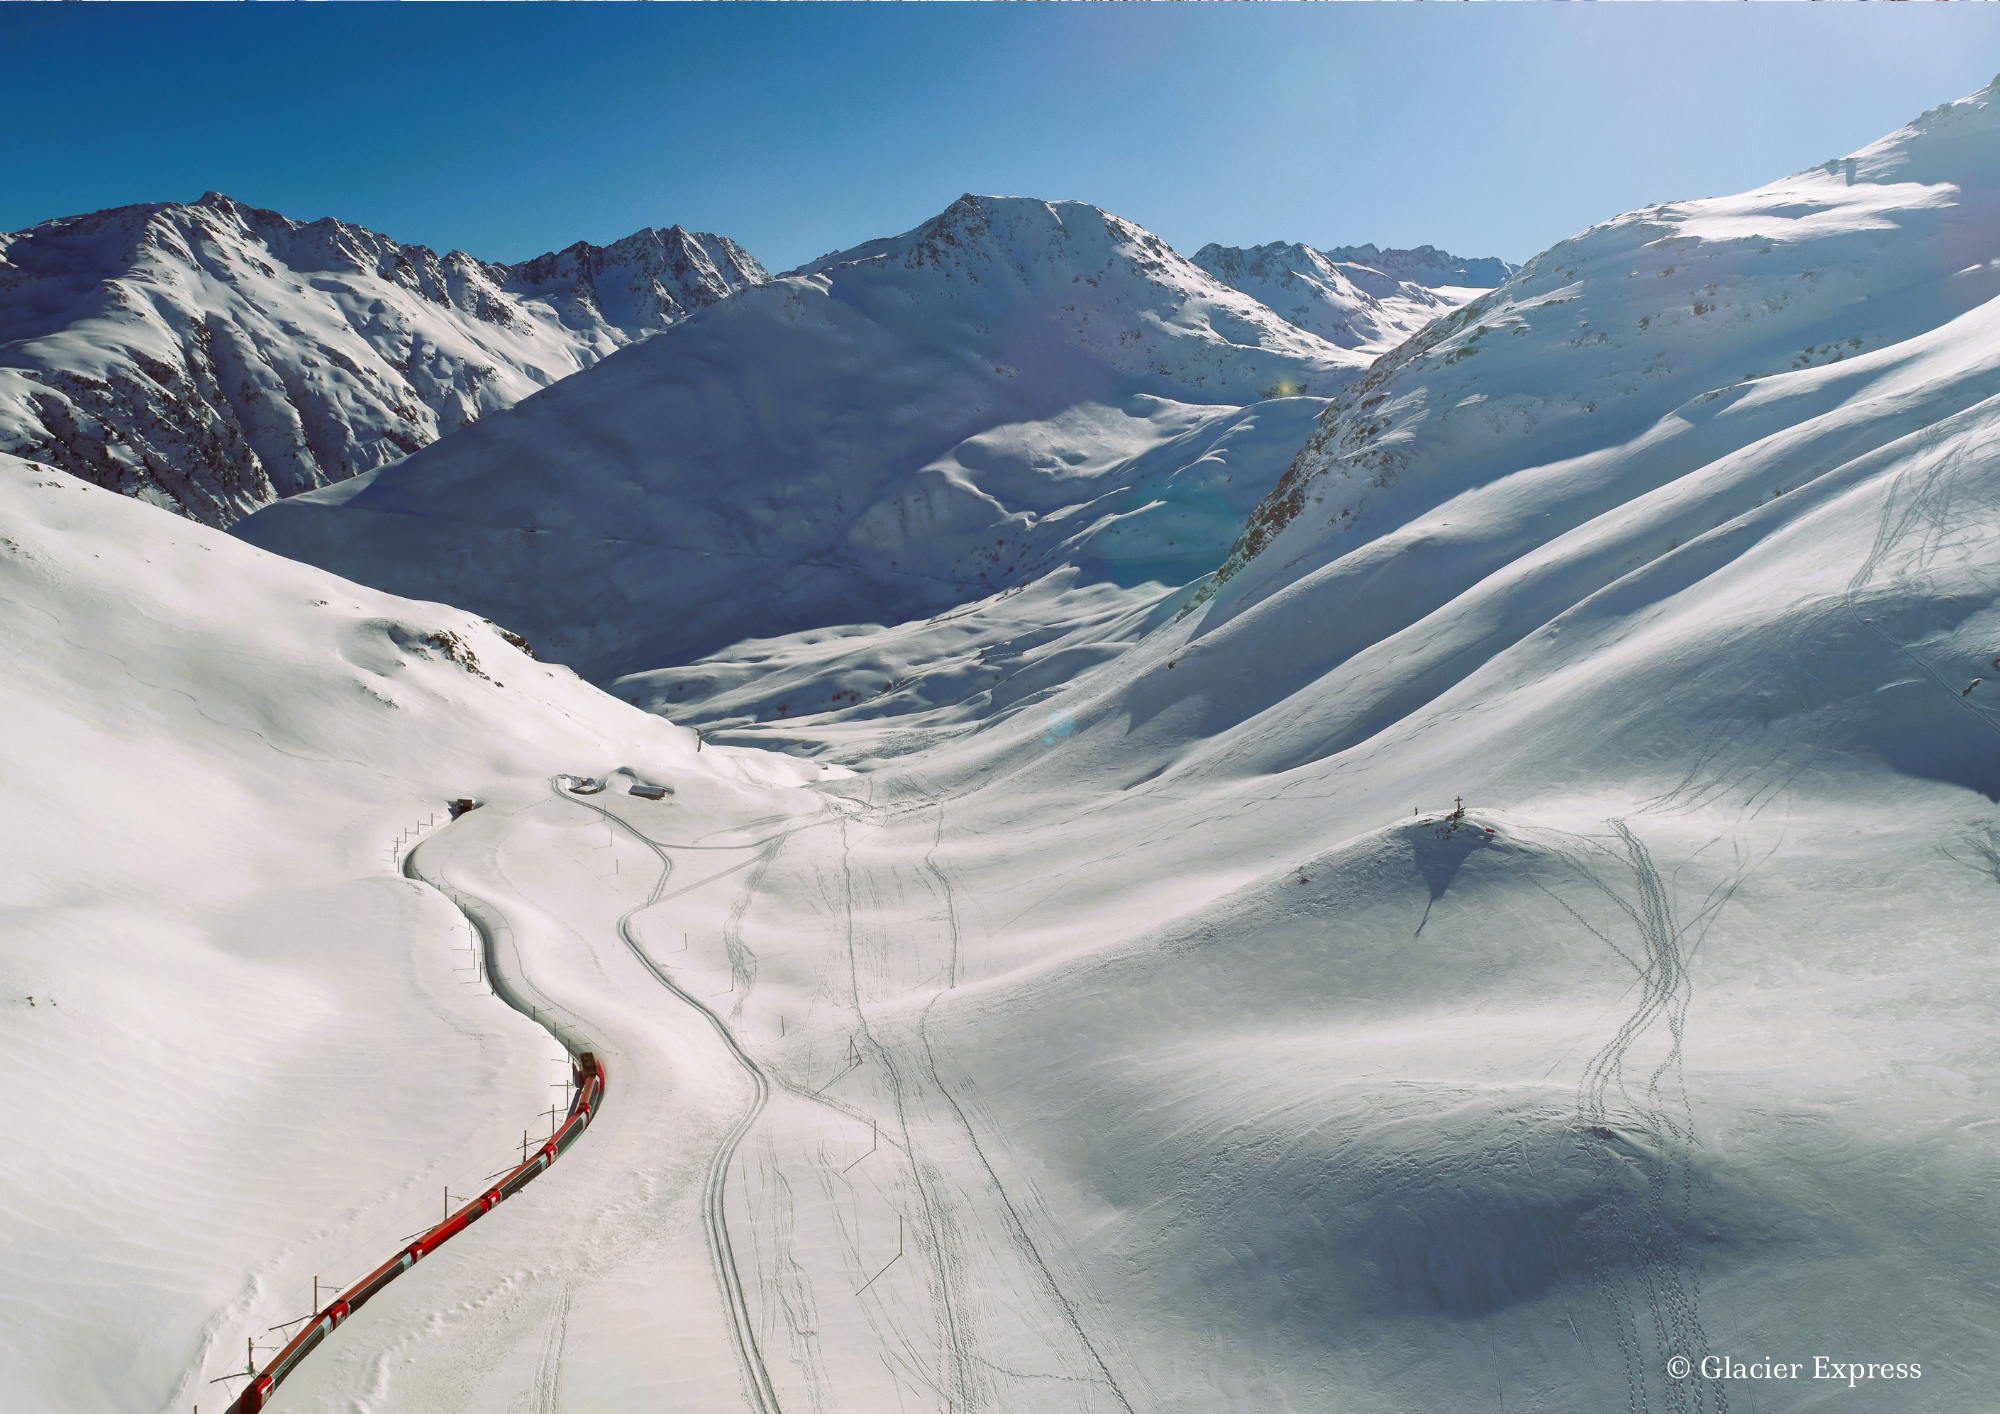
(254, 1053)
(896, 429)
(1426, 265)
(213, 357)
(1312, 1101)
(1343, 301)
(1527, 919)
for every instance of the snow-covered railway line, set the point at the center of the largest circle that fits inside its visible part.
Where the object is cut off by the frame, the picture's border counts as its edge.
(588, 1082)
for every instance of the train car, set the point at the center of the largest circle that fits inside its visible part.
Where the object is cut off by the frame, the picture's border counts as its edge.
(587, 1073)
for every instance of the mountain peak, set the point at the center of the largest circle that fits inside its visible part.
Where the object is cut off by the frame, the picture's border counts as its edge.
(1426, 265)
(1956, 143)
(1351, 305)
(212, 356)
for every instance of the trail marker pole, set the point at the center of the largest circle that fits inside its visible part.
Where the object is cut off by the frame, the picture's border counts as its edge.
(892, 1261)
(874, 1140)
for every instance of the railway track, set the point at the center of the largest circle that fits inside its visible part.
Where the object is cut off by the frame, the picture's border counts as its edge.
(587, 1071)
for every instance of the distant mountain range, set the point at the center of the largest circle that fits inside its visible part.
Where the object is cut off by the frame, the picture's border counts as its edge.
(892, 430)
(214, 357)
(1356, 296)
(1427, 265)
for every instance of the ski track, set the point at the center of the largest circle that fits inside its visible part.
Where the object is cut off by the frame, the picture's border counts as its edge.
(1648, 1289)
(715, 1222)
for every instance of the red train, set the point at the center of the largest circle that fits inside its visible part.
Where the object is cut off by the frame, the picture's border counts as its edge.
(588, 1072)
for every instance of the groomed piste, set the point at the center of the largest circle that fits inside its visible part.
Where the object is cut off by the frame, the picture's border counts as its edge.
(588, 1074)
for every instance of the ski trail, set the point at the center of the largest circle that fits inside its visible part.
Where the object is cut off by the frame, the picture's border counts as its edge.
(968, 1388)
(715, 1220)
(743, 962)
(548, 1370)
(1643, 1126)
(947, 1275)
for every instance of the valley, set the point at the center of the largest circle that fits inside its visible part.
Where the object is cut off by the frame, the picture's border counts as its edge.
(1259, 832)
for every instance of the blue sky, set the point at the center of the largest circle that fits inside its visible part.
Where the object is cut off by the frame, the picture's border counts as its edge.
(799, 129)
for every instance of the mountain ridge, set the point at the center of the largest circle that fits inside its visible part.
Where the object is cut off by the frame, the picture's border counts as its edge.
(212, 356)
(906, 425)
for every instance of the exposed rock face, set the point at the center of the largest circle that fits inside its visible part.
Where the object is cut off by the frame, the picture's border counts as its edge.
(214, 357)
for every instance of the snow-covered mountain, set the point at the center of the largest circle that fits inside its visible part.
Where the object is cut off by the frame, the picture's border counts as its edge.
(1634, 371)
(213, 357)
(1533, 920)
(885, 433)
(1426, 265)
(1526, 920)
(1354, 305)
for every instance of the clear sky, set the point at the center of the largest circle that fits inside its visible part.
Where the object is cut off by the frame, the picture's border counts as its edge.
(508, 130)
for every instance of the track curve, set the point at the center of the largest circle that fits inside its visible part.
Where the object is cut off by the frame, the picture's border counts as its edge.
(715, 1221)
(588, 1073)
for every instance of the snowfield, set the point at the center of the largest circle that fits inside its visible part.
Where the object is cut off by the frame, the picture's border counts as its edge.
(1525, 917)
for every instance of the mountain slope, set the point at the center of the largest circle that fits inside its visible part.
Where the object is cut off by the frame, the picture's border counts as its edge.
(1530, 926)
(882, 434)
(213, 357)
(234, 1030)
(1346, 303)
(1693, 359)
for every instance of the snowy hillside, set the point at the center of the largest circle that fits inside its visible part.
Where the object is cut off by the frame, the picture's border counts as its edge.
(213, 357)
(1346, 303)
(1524, 921)
(884, 434)
(1305, 1086)
(1631, 378)
(248, 1050)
